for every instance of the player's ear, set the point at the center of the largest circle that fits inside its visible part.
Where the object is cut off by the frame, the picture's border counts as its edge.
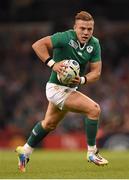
(74, 27)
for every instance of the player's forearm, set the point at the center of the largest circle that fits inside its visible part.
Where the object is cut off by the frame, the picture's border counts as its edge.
(42, 48)
(92, 77)
(41, 51)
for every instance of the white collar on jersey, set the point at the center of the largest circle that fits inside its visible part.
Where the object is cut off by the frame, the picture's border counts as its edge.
(81, 48)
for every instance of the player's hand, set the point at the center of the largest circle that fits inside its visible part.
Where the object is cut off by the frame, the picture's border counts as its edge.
(76, 80)
(79, 80)
(59, 67)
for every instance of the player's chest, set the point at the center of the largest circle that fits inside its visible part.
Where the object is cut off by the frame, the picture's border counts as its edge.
(83, 54)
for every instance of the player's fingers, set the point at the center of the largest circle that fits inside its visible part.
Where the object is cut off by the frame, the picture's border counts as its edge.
(74, 81)
(61, 70)
(64, 66)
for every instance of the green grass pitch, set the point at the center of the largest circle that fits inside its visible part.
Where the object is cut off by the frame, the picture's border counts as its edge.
(64, 165)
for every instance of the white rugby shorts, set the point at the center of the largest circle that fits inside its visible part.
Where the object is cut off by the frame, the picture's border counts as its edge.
(57, 94)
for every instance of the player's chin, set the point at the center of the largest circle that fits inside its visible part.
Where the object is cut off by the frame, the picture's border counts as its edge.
(83, 41)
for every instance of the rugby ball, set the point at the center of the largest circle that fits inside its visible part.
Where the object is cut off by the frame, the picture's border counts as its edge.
(71, 71)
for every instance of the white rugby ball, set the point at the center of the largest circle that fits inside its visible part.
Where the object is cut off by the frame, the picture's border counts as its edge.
(72, 70)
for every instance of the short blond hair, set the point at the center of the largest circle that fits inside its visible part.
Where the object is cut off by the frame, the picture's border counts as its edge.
(83, 15)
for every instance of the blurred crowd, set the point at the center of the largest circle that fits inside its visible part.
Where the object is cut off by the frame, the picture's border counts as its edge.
(23, 77)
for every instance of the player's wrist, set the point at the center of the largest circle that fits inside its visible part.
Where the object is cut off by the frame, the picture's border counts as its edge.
(50, 62)
(83, 80)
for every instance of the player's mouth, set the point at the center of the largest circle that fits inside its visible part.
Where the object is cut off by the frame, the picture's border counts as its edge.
(84, 39)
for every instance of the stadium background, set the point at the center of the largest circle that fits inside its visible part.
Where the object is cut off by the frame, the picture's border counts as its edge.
(23, 76)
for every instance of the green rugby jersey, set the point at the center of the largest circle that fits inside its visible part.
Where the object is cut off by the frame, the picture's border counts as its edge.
(66, 46)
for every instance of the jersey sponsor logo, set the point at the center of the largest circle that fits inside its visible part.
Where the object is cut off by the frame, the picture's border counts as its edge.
(33, 131)
(73, 44)
(89, 49)
(79, 53)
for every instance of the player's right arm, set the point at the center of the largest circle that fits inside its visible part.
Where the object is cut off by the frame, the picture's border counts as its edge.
(42, 48)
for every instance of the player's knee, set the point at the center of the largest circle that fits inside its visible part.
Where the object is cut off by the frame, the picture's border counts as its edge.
(49, 126)
(95, 112)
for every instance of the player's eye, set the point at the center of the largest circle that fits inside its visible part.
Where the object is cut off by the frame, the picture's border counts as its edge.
(89, 29)
(82, 28)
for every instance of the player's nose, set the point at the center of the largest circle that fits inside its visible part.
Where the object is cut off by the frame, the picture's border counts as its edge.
(85, 32)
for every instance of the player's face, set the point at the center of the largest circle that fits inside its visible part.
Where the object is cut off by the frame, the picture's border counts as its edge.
(84, 30)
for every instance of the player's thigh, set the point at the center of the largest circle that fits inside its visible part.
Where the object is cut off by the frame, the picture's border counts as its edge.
(78, 102)
(54, 114)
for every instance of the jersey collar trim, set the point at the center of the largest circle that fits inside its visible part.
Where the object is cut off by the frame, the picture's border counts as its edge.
(81, 48)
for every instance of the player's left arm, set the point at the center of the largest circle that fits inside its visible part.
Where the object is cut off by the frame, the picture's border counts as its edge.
(95, 64)
(92, 76)
(94, 73)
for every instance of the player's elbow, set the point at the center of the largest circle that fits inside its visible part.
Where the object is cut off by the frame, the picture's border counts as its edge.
(97, 76)
(42, 43)
(35, 46)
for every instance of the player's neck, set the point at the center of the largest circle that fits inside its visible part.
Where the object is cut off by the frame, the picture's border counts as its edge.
(81, 46)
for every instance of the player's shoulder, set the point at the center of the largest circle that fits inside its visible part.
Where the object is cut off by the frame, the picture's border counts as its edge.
(67, 33)
(94, 40)
(70, 33)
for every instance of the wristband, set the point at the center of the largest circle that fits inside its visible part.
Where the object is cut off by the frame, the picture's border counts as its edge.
(50, 62)
(83, 80)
